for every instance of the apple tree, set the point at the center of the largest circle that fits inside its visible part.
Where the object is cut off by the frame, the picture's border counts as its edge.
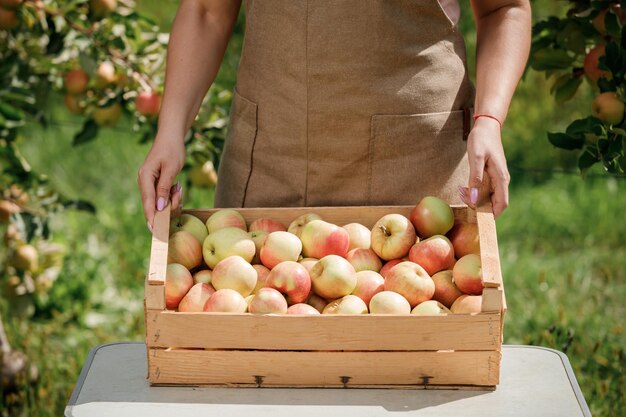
(587, 45)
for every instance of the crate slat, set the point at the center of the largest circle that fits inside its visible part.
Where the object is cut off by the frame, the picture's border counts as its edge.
(489, 254)
(323, 332)
(288, 368)
(154, 296)
(158, 252)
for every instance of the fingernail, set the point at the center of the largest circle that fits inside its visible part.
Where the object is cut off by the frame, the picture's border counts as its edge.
(160, 204)
(180, 193)
(474, 195)
(149, 226)
(177, 186)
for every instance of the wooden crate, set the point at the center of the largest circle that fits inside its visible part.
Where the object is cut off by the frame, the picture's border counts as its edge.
(460, 351)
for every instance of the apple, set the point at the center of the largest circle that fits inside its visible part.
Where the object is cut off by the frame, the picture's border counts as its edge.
(101, 8)
(178, 282)
(203, 176)
(333, 277)
(388, 265)
(261, 277)
(226, 242)
(320, 238)
(279, 247)
(248, 300)
(11, 4)
(148, 103)
(226, 301)
(291, 279)
(183, 248)
(308, 263)
(411, 281)
(191, 224)
(316, 302)
(392, 236)
(430, 307)
(464, 239)
(389, 302)
(268, 301)
(348, 304)
(432, 216)
(8, 19)
(467, 304)
(364, 260)
(73, 104)
(7, 209)
(258, 237)
(296, 226)
(267, 225)
(368, 283)
(608, 107)
(360, 236)
(433, 254)
(76, 81)
(107, 116)
(446, 291)
(105, 74)
(302, 308)
(591, 64)
(225, 218)
(467, 274)
(196, 298)
(235, 273)
(203, 276)
(26, 258)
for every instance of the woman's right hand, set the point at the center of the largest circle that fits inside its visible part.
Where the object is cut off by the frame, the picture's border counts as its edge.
(157, 173)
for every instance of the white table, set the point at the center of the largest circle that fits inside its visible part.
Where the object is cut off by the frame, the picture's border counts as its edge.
(534, 381)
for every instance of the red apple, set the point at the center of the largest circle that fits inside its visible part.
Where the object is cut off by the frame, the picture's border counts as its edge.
(203, 276)
(392, 236)
(262, 274)
(432, 216)
(235, 273)
(302, 308)
(348, 304)
(368, 283)
(226, 301)
(226, 242)
(333, 277)
(267, 225)
(320, 238)
(430, 307)
(464, 239)
(411, 281)
(296, 226)
(178, 282)
(196, 298)
(446, 291)
(268, 301)
(467, 274)
(389, 302)
(592, 62)
(280, 247)
(225, 218)
(183, 248)
(364, 260)
(433, 254)
(308, 263)
(76, 81)
(148, 103)
(11, 4)
(316, 302)
(8, 19)
(191, 224)
(291, 279)
(467, 304)
(388, 265)
(360, 236)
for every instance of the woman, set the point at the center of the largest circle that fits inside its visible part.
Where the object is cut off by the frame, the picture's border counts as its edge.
(355, 102)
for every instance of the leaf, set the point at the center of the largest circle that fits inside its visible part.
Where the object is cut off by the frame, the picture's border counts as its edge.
(11, 112)
(546, 59)
(612, 24)
(581, 126)
(586, 160)
(87, 133)
(565, 141)
(566, 90)
(81, 205)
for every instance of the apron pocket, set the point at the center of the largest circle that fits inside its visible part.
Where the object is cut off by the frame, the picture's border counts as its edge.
(236, 162)
(415, 155)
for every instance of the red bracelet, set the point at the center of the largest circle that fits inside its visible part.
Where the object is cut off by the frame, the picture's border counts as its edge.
(476, 116)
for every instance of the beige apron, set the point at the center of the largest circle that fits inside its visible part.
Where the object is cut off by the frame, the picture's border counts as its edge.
(347, 102)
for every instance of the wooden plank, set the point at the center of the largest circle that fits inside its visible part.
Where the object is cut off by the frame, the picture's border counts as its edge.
(329, 369)
(323, 332)
(158, 252)
(367, 216)
(154, 296)
(492, 300)
(489, 254)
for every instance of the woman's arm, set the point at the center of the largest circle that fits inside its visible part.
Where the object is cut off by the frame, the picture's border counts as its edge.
(198, 40)
(502, 47)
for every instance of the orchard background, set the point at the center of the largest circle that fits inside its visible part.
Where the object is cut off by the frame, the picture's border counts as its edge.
(75, 245)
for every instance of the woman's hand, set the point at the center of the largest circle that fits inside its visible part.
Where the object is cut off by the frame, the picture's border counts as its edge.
(486, 156)
(156, 176)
